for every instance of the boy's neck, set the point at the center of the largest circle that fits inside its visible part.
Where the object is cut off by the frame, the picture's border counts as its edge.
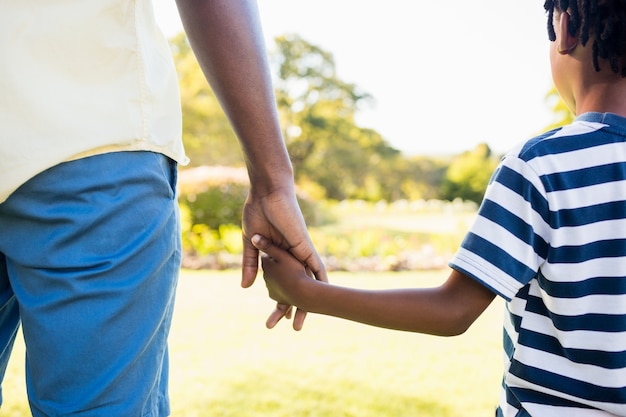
(606, 93)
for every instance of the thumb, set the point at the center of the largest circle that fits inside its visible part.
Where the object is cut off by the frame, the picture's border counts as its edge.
(265, 245)
(250, 263)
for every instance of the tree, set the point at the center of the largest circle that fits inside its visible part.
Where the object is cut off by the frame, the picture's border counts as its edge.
(332, 156)
(317, 111)
(419, 177)
(468, 174)
(207, 134)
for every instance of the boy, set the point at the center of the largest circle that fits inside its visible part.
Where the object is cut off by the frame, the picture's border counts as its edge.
(550, 238)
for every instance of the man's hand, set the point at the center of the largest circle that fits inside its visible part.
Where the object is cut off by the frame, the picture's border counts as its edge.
(277, 217)
(227, 39)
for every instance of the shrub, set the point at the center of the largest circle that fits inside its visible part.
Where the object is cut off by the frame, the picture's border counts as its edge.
(218, 205)
(211, 200)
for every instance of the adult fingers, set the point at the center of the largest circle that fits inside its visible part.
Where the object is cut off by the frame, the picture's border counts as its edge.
(249, 263)
(305, 253)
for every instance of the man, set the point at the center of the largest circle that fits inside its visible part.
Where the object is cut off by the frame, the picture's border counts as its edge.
(89, 233)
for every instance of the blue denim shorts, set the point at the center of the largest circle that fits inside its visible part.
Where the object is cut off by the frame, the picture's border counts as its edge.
(89, 261)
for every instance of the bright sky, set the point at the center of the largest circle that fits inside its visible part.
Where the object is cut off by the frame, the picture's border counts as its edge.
(445, 75)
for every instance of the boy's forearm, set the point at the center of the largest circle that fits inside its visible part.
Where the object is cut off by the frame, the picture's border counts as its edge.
(227, 39)
(447, 310)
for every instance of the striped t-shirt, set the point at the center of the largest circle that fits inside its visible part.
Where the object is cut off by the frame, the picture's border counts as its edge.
(550, 238)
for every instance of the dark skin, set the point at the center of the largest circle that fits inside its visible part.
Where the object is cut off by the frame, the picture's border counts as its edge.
(580, 86)
(227, 39)
(447, 310)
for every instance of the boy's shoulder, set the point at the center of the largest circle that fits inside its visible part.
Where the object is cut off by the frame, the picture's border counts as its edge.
(586, 131)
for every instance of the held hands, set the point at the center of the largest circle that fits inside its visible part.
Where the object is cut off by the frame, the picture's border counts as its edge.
(285, 278)
(277, 217)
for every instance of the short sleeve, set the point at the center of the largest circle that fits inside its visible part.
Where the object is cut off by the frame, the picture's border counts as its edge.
(508, 241)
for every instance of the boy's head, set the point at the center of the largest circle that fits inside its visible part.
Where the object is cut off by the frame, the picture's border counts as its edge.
(603, 22)
(588, 53)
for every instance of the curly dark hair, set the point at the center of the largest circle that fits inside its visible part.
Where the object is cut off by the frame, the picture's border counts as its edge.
(602, 21)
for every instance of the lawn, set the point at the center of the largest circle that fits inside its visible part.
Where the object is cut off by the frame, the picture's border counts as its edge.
(225, 363)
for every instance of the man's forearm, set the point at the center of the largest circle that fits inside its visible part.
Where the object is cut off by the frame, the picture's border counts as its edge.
(227, 39)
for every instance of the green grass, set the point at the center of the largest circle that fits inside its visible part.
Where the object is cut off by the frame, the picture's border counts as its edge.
(226, 363)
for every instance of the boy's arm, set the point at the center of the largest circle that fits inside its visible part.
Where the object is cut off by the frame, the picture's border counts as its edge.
(446, 310)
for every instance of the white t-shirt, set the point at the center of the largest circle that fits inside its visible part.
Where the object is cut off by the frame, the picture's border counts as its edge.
(80, 78)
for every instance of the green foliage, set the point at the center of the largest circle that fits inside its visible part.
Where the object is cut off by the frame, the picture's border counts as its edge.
(399, 236)
(217, 205)
(317, 110)
(231, 238)
(211, 202)
(351, 235)
(413, 178)
(333, 158)
(207, 134)
(468, 175)
(561, 112)
(201, 240)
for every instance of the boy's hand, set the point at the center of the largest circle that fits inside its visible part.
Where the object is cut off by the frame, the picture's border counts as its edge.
(284, 276)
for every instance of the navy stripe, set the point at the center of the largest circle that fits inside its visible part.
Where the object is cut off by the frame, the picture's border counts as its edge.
(608, 323)
(550, 344)
(512, 400)
(544, 145)
(507, 344)
(585, 177)
(529, 396)
(586, 215)
(576, 388)
(518, 227)
(576, 289)
(514, 181)
(613, 248)
(515, 319)
(498, 257)
(534, 147)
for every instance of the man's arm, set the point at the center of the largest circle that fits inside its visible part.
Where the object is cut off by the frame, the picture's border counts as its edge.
(227, 39)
